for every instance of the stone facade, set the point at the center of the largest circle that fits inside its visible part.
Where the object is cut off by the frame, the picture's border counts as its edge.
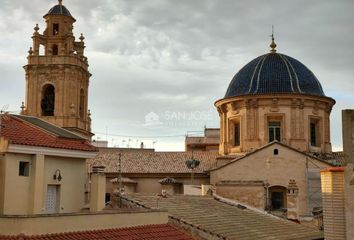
(57, 78)
(295, 112)
(275, 165)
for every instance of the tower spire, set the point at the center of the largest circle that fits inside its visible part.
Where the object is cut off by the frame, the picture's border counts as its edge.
(60, 2)
(273, 45)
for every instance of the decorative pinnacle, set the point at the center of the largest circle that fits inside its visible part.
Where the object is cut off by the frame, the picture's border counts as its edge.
(23, 108)
(30, 51)
(81, 37)
(273, 45)
(36, 28)
(60, 2)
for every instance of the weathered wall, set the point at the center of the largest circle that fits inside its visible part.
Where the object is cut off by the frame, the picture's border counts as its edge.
(277, 170)
(247, 193)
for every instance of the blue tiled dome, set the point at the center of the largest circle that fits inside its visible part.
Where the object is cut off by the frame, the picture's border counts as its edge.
(274, 73)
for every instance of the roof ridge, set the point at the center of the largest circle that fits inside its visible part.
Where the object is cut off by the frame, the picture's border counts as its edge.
(34, 126)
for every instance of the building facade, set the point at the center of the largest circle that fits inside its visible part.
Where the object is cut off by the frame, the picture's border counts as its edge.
(42, 167)
(274, 126)
(274, 98)
(57, 76)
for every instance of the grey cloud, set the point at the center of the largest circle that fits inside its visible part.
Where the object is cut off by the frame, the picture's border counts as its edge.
(180, 55)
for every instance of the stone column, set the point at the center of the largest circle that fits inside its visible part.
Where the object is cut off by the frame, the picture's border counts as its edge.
(332, 184)
(37, 186)
(98, 189)
(292, 200)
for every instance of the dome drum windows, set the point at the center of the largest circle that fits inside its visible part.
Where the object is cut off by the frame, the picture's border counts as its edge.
(314, 132)
(274, 128)
(274, 131)
(237, 133)
(55, 29)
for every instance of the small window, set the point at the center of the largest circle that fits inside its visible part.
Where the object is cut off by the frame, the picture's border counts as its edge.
(237, 134)
(23, 169)
(274, 131)
(48, 100)
(275, 151)
(314, 132)
(107, 197)
(55, 29)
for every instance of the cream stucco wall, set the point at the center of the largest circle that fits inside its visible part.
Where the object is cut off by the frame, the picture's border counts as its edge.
(277, 170)
(16, 188)
(28, 194)
(2, 182)
(72, 186)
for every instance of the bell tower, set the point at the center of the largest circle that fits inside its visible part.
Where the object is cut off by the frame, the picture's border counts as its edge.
(57, 76)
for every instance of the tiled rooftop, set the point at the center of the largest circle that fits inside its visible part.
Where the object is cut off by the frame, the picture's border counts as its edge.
(148, 232)
(225, 220)
(19, 131)
(152, 162)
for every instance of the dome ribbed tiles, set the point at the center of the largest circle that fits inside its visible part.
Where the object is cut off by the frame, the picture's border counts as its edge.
(59, 10)
(274, 73)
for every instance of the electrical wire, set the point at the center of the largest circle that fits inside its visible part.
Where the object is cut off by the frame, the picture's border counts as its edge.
(145, 137)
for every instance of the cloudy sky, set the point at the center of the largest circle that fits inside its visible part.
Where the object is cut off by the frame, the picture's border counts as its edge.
(159, 65)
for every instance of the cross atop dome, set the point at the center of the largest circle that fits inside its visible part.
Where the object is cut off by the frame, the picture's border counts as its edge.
(273, 45)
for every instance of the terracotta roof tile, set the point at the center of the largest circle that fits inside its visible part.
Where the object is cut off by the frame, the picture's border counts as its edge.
(148, 232)
(219, 218)
(19, 131)
(152, 162)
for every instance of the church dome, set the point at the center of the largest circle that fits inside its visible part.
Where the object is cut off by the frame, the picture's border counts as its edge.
(274, 73)
(59, 9)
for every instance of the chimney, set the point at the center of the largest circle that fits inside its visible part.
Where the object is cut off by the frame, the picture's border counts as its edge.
(332, 184)
(292, 200)
(98, 189)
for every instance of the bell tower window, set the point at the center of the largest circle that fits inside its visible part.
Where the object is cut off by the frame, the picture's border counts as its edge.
(55, 29)
(48, 100)
(82, 102)
(55, 49)
(314, 132)
(274, 132)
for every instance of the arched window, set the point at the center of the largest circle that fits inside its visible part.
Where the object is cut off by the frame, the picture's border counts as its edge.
(82, 103)
(55, 29)
(48, 100)
(55, 49)
(277, 198)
